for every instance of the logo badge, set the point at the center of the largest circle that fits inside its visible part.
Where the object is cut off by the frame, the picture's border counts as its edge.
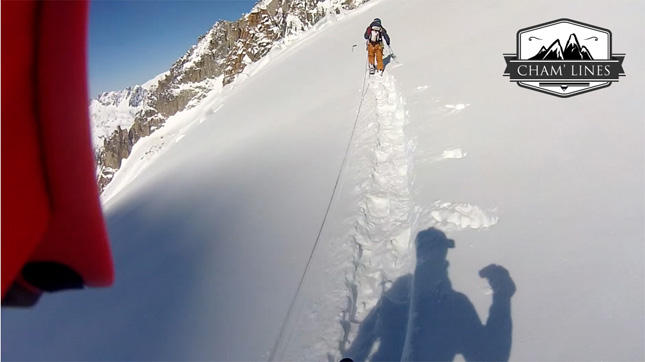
(564, 58)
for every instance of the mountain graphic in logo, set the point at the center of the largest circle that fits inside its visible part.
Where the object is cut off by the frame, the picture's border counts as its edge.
(572, 51)
(564, 69)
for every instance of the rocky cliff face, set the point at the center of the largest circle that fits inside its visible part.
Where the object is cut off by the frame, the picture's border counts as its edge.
(225, 50)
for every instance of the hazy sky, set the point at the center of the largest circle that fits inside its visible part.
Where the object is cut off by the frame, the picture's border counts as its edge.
(131, 41)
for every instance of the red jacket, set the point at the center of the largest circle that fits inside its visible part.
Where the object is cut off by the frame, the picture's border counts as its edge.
(53, 233)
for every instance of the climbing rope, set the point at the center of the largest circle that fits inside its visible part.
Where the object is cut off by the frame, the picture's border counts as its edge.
(331, 201)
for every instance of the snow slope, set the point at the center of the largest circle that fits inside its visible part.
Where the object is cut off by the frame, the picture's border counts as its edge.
(214, 231)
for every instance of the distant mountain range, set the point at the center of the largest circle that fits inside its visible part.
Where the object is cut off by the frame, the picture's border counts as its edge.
(572, 51)
(121, 118)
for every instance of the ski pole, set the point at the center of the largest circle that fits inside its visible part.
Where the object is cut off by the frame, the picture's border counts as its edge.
(391, 51)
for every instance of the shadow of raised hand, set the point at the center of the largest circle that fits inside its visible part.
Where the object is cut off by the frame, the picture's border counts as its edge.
(499, 279)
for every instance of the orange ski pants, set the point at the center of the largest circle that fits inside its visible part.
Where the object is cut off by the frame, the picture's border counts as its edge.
(375, 50)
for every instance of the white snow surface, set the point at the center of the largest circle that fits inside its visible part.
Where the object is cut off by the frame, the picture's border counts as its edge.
(213, 218)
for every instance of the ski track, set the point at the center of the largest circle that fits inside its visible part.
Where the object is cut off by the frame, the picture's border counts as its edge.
(382, 232)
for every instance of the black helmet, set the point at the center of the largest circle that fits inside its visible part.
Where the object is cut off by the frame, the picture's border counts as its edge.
(377, 20)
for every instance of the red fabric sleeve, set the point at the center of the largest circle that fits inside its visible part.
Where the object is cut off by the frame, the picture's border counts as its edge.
(25, 204)
(50, 205)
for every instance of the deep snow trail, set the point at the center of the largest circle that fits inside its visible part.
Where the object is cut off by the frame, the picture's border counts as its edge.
(383, 227)
(359, 258)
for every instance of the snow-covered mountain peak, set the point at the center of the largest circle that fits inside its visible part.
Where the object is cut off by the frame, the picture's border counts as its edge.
(573, 40)
(154, 82)
(116, 97)
(118, 109)
(132, 96)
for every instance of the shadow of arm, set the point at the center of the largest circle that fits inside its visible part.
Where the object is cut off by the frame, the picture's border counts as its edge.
(496, 336)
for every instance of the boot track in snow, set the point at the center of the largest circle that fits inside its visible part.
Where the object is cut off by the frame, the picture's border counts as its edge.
(375, 250)
(382, 231)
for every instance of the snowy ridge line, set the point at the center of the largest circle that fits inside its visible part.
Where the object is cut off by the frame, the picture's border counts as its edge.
(110, 110)
(206, 88)
(107, 118)
(149, 148)
(383, 230)
(281, 343)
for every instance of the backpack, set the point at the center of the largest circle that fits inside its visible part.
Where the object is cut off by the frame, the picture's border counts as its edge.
(375, 34)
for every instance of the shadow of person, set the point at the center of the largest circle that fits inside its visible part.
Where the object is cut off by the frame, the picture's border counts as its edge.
(385, 326)
(421, 318)
(386, 60)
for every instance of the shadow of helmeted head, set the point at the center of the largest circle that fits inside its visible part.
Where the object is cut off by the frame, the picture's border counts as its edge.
(432, 245)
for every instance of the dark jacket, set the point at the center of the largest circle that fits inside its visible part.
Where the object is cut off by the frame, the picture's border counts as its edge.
(383, 32)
